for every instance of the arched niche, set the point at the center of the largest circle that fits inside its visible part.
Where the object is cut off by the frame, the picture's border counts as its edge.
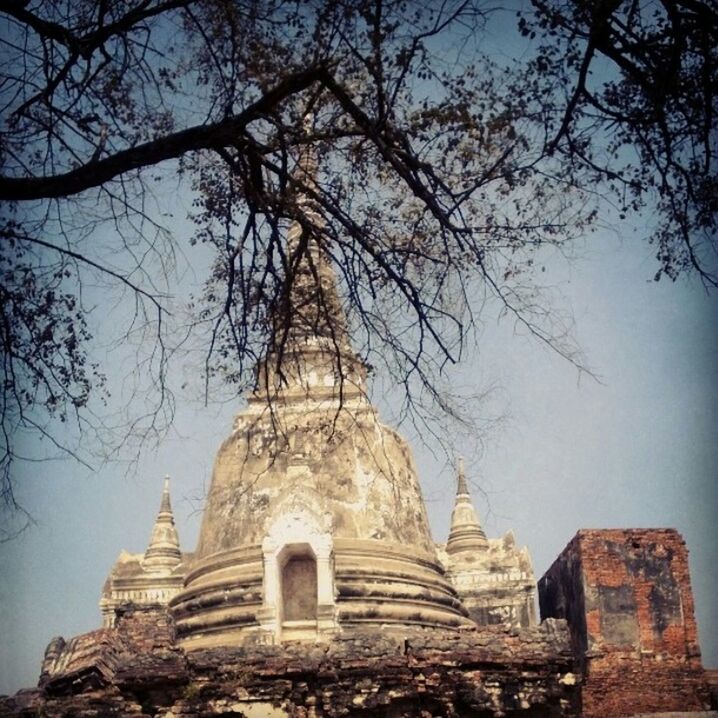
(298, 580)
(299, 601)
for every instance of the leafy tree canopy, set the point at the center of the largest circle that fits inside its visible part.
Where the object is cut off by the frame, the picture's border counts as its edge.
(438, 169)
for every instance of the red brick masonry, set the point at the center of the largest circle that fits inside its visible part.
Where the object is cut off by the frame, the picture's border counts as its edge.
(626, 594)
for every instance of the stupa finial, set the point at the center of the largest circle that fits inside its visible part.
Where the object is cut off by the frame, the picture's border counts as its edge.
(165, 504)
(307, 163)
(309, 316)
(461, 485)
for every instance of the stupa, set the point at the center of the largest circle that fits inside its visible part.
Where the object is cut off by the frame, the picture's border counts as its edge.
(314, 521)
(493, 578)
(151, 578)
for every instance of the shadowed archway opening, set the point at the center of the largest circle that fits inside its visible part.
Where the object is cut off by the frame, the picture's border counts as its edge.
(299, 587)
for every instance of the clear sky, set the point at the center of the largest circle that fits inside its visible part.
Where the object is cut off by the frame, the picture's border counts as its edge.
(637, 449)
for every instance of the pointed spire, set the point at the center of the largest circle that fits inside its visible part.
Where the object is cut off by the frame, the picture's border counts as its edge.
(165, 506)
(307, 162)
(310, 352)
(311, 307)
(163, 552)
(466, 534)
(461, 487)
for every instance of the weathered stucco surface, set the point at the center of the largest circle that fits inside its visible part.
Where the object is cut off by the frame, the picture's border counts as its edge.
(352, 483)
(347, 465)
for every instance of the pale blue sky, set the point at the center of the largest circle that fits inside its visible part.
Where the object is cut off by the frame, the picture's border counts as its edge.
(638, 449)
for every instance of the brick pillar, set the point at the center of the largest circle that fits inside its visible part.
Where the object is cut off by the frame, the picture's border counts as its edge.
(627, 597)
(146, 627)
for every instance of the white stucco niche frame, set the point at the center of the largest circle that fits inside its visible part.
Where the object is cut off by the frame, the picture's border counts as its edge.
(296, 531)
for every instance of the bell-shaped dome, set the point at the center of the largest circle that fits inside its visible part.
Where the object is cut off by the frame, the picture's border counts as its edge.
(342, 462)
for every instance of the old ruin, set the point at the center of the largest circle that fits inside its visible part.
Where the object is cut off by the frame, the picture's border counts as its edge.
(316, 588)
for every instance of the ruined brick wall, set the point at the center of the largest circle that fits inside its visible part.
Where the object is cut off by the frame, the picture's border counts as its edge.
(87, 660)
(486, 673)
(627, 597)
(92, 659)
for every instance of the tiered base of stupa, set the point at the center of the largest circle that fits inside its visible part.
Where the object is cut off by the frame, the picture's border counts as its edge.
(374, 584)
